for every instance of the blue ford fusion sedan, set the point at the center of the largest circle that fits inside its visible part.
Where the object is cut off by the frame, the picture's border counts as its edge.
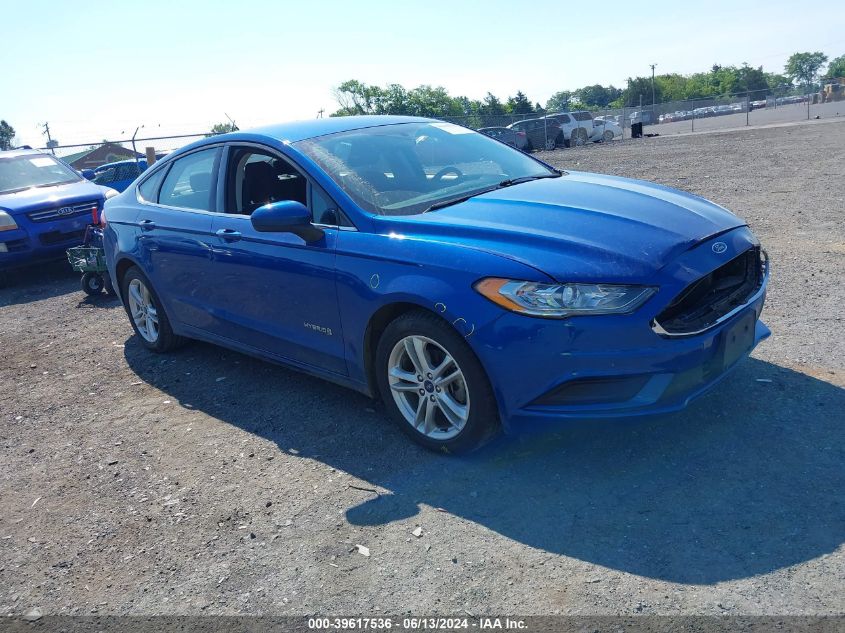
(470, 286)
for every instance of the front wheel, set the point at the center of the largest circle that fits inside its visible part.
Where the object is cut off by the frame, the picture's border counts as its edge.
(607, 136)
(434, 386)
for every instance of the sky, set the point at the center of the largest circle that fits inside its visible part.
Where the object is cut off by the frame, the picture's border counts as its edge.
(99, 70)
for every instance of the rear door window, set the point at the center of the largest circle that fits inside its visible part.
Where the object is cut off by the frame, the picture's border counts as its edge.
(190, 182)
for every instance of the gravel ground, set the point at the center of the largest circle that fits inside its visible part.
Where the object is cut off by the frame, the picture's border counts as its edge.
(207, 482)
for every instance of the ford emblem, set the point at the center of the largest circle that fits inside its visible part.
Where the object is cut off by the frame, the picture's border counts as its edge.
(719, 248)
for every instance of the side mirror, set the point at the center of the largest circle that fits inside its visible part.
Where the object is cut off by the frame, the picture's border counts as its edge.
(287, 216)
(88, 174)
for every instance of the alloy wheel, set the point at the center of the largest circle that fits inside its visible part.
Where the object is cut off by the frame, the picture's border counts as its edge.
(143, 310)
(428, 387)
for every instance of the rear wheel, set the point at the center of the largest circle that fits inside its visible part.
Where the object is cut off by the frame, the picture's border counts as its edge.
(433, 384)
(146, 314)
(607, 136)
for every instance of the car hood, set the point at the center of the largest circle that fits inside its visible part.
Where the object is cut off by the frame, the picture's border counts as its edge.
(579, 227)
(41, 197)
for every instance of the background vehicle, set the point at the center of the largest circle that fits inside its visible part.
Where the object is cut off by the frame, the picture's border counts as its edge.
(576, 127)
(646, 117)
(467, 283)
(514, 138)
(119, 175)
(605, 131)
(540, 133)
(44, 207)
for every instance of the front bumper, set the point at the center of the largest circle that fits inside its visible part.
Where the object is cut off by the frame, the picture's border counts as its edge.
(616, 366)
(32, 243)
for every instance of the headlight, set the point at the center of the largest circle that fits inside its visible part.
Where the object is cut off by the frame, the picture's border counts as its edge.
(563, 300)
(7, 222)
(111, 193)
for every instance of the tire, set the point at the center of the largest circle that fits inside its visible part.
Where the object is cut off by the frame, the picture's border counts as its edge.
(464, 415)
(92, 284)
(607, 136)
(578, 137)
(138, 295)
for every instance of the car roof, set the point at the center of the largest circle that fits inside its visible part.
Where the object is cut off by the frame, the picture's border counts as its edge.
(301, 130)
(23, 152)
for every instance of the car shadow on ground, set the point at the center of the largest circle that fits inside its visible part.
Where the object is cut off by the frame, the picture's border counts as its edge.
(748, 480)
(37, 282)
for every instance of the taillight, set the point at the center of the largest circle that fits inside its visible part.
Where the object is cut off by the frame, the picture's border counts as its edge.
(94, 219)
(520, 134)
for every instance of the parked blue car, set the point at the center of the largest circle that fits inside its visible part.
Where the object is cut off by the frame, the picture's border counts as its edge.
(45, 206)
(119, 175)
(471, 286)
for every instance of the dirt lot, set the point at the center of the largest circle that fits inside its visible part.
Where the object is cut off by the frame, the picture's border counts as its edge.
(209, 482)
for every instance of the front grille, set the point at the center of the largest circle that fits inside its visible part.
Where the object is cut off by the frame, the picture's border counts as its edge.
(60, 213)
(57, 237)
(707, 300)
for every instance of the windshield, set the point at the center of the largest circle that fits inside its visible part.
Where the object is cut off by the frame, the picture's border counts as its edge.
(409, 168)
(18, 173)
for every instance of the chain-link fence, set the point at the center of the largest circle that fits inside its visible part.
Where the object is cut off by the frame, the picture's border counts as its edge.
(572, 128)
(724, 112)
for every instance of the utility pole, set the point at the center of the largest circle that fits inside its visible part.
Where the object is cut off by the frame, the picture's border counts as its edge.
(320, 113)
(46, 127)
(652, 93)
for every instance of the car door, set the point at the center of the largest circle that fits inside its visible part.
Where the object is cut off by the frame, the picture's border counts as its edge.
(175, 237)
(277, 292)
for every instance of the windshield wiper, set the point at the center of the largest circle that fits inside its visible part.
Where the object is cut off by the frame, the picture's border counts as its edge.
(515, 181)
(54, 184)
(459, 199)
(509, 182)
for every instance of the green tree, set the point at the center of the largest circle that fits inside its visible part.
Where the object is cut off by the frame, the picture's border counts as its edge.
(356, 97)
(223, 128)
(836, 68)
(804, 67)
(492, 105)
(7, 134)
(559, 101)
(519, 104)
(640, 88)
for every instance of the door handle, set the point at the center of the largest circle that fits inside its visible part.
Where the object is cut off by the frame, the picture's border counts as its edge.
(230, 235)
(147, 225)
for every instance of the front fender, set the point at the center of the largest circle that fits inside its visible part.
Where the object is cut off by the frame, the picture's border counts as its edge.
(376, 271)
